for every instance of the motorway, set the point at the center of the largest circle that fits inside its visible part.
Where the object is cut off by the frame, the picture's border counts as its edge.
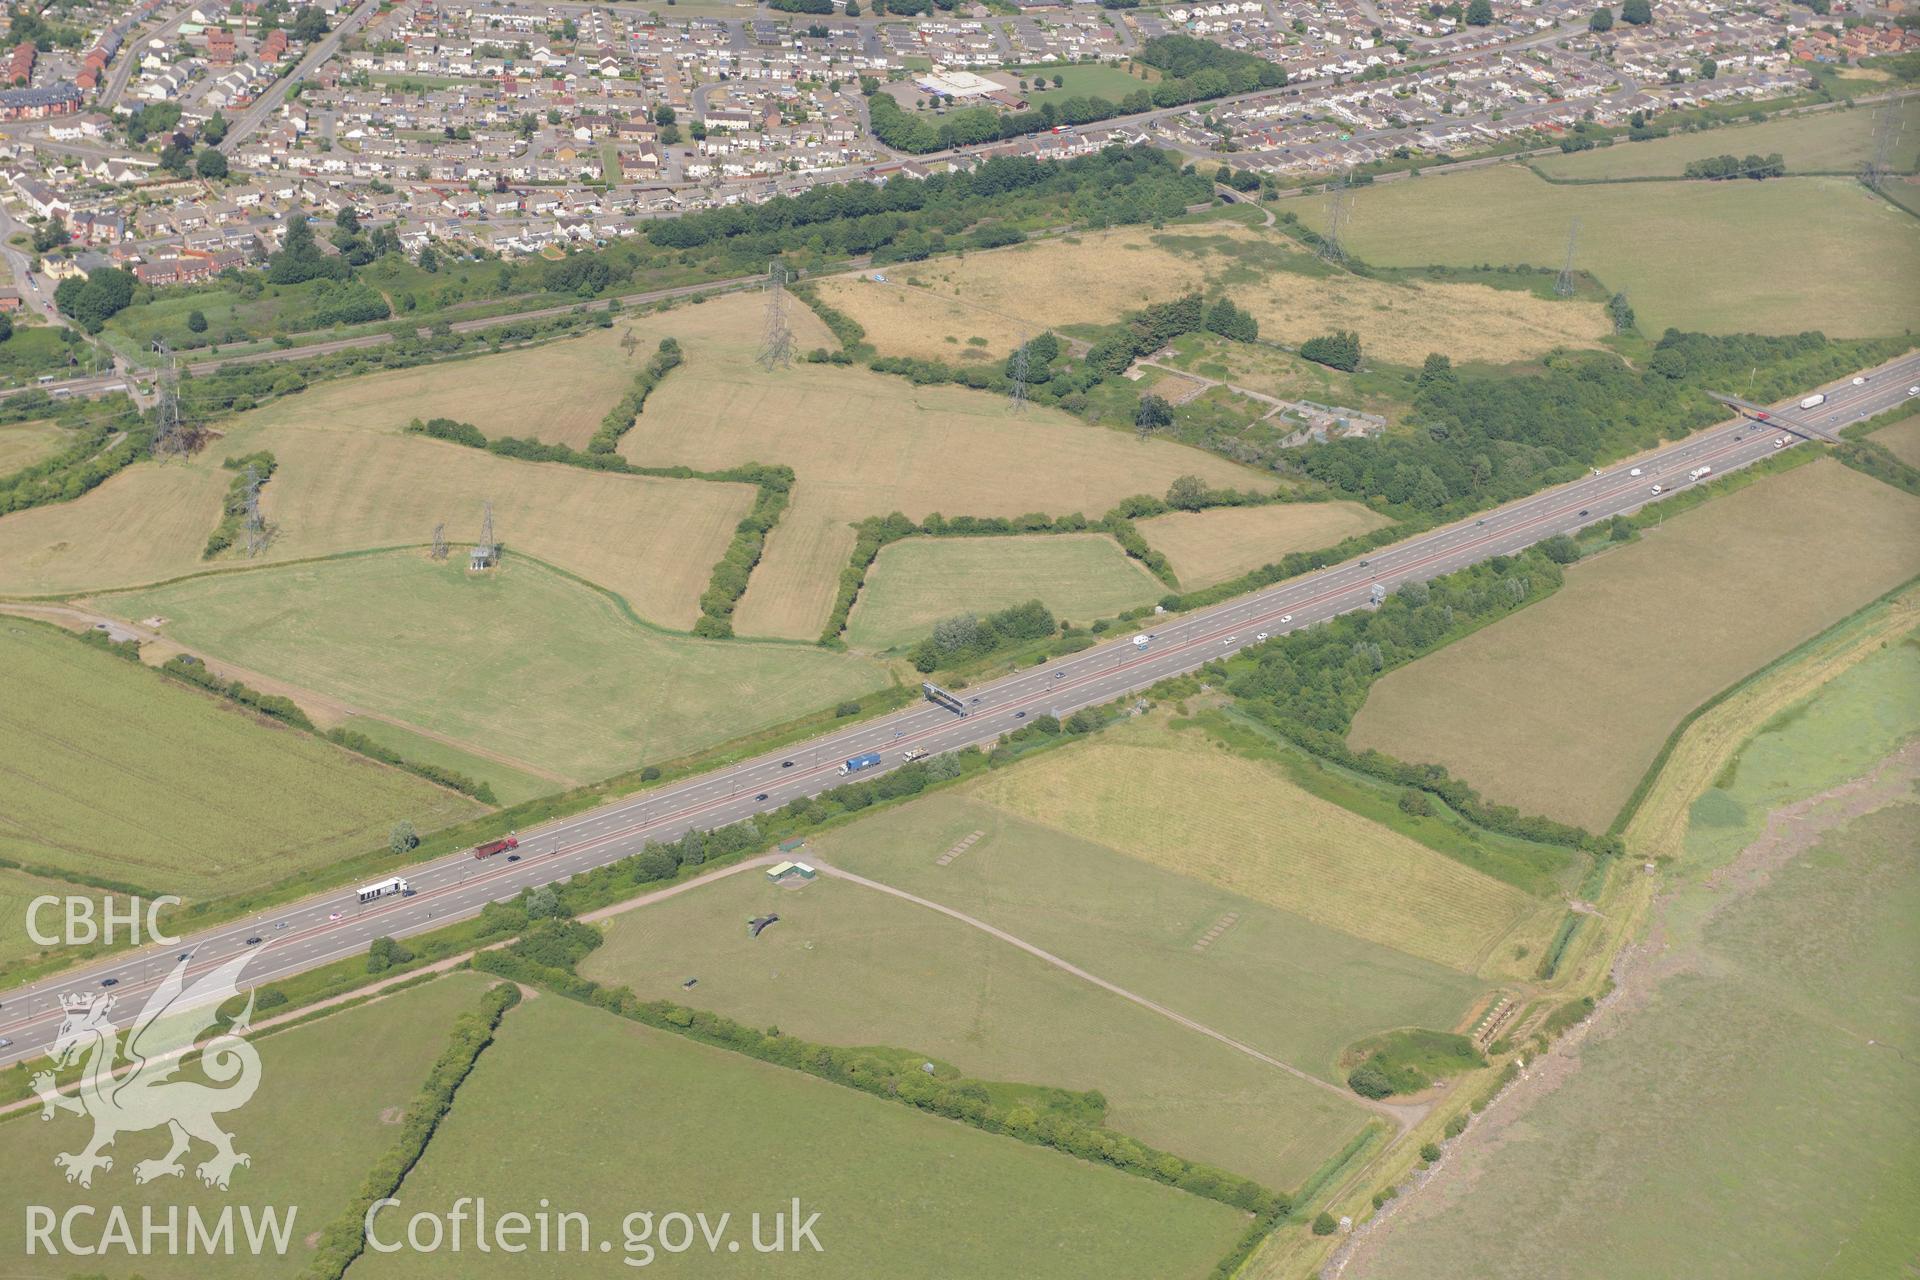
(333, 925)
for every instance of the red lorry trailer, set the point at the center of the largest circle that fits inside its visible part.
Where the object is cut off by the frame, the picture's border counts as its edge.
(492, 847)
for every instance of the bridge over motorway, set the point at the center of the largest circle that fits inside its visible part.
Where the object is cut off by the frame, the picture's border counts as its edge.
(332, 925)
(1785, 419)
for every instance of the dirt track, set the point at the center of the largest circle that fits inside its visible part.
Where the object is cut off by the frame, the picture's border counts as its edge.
(1637, 973)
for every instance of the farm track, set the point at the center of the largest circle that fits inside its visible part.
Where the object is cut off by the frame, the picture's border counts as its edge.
(1404, 1117)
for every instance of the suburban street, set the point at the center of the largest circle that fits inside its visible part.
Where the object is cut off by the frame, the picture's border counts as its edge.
(334, 925)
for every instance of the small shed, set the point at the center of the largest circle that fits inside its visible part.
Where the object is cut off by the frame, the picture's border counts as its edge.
(780, 871)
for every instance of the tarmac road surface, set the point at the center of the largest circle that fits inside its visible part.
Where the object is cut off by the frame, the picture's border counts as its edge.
(332, 925)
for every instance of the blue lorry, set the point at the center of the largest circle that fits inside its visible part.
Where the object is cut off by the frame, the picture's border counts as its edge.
(857, 763)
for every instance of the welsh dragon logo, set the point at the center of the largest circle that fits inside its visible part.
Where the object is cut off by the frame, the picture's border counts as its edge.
(147, 1096)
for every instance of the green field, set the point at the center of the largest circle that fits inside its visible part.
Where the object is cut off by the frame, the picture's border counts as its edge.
(1781, 256)
(592, 1114)
(18, 889)
(1099, 79)
(1560, 708)
(1838, 141)
(525, 661)
(915, 583)
(113, 771)
(1753, 1112)
(34, 350)
(851, 965)
(329, 1101)
(1272, 979)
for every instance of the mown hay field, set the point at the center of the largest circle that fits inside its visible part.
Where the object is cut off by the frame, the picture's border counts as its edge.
(905, 320)
(850, 965)
(556, 391)
(1186, 805)
(1781, 256)
(1098, 277)
(534, 666)
(1269, 978)
(148, 522)
(1838, 141)
(1560, 708)
(580, 1109)
(915, 583)
(865, 444)
(330, 1098)
(1206, 547)
(116, 772)
(1902, 439)
(24, 443)
(349, 480)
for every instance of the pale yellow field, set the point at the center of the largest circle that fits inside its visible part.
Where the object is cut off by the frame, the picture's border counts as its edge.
(148, 522)
(1559, 709)
(557, 392)
(1179, 802)
(349, 480)
(866, 444)
(652, 541)
(1206, 547)
(24, 443)
(906, 321)
(1096, 278)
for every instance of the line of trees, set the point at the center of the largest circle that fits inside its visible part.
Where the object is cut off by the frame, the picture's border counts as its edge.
(622, 416)
(1721, 167)
(1062, 1119)
(234, 509)
(1337, 350)
(344, 1239)
(1309, 684)
(1114, 185)
(966, 636)
(87, 460)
